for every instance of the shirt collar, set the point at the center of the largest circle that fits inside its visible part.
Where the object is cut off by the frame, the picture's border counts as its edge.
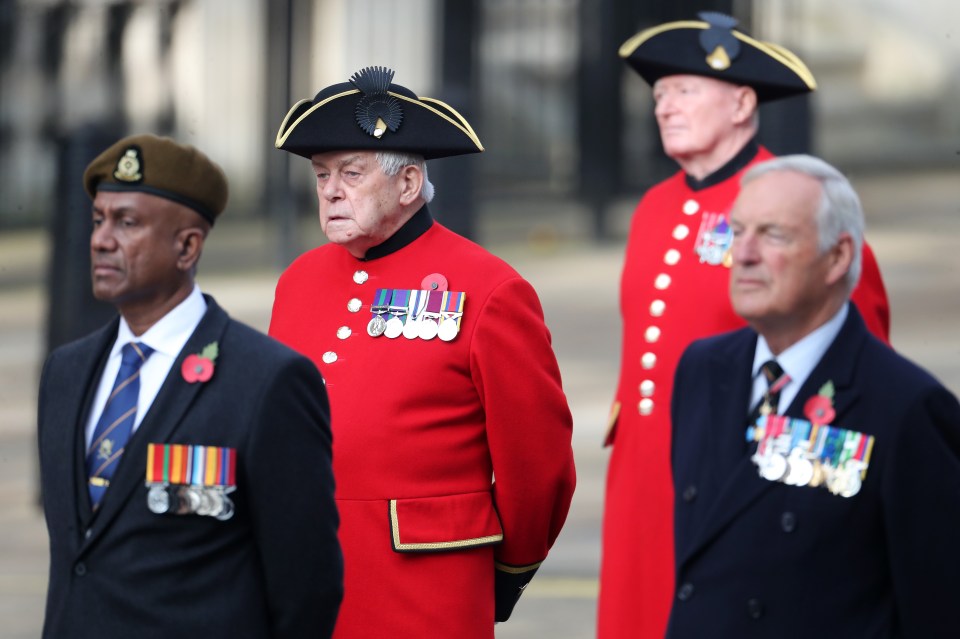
(799, 360)
(728, 170)
(171, 332)
(416, 226)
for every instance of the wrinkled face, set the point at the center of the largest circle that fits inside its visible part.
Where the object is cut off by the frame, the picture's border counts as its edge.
(779, 279)
(359, 205)
(136, 248)
(695, 114)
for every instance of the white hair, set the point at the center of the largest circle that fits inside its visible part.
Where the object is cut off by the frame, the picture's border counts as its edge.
(839, 212)
(392, 161)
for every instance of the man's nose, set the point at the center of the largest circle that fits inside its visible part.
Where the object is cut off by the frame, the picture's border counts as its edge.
(101, 238)
(331, 188)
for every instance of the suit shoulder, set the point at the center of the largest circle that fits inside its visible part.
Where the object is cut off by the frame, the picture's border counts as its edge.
(250, 342)
(884, 363)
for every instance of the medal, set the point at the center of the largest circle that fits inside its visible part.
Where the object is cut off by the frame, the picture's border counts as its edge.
(185, 480)
(415, 305)
(450, 318)
(398, 310)
(428, 325)
(377, 324)
(158, 499)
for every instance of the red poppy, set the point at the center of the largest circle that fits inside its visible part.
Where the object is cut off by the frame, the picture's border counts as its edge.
(197, 369)
(819, 409)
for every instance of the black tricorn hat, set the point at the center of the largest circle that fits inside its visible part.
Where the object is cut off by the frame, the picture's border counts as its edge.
(713, 48)
(369, 113)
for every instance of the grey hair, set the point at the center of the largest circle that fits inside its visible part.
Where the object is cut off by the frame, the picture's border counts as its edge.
(839, 212)
(391, 162)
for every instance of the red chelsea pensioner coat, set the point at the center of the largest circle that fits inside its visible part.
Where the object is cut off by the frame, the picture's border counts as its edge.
(670, 295)
(421, 428)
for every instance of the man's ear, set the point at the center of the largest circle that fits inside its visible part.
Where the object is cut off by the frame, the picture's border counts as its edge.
(189, 245)
(411, 184)
(746, 104)
(841, 257)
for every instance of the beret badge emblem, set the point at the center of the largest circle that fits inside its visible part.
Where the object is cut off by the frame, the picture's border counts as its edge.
(129, 166)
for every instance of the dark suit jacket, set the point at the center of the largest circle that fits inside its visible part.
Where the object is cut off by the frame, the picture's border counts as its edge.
(756, 558)
(272, 570)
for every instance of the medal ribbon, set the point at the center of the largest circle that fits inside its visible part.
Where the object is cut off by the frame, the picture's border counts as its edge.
(181, 464)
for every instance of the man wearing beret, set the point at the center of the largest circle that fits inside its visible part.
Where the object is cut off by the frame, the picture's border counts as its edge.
(184, 457)
(707, 79)
(452, 433)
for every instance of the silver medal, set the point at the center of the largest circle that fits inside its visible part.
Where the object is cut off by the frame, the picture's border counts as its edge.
(376, 326)
(158, 499)
(428, 328)
(448, 329)
(394, 327)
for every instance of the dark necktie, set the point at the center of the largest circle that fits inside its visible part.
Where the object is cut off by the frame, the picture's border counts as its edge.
(116, 423)
(776, 380)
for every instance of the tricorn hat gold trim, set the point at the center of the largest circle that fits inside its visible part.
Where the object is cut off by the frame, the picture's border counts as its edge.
(677, 48)
(341, 117)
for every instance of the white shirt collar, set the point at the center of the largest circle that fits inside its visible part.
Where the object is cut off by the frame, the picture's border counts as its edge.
(172, 331)
(799, 360)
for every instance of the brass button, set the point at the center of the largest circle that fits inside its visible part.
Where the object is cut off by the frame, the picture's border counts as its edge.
(652, 334)
(344, 332)
(360, 277)
(646, 387)
(645, 406)
(662, 282)
(648, 360)
(329, 357)
(354, 305)
(671, 257)
(657, 307)
(681, 232)
(690, 207)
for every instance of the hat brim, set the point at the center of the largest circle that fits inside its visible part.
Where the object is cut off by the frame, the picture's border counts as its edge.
(673, 49)
(429, 127)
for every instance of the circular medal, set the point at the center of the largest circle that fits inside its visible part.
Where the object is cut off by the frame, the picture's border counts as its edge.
(411, 330)
(774, 467)
(428, 329)
(227, 511)
(206, 503)
(216, 502)
(394, 328)
(448, 330)
(190, 500)
(801, 471)
(818, 476)
(158, 500)
(376, 326)
(852, 485)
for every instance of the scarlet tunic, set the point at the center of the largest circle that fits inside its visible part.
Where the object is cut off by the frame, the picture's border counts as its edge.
(670, 294)
(422, 427)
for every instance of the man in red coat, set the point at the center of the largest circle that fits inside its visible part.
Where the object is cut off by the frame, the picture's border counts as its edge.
(707, 81)
(451, 432)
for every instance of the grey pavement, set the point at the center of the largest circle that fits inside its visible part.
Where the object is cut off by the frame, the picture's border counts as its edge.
(913, 226)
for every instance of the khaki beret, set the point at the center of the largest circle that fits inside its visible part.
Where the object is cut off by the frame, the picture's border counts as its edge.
(161, 167)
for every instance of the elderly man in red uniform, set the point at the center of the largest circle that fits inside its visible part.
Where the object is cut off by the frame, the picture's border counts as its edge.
(707, 81)
(452, 449)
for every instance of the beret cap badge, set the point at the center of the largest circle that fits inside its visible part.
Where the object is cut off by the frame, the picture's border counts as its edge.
(718, 40)
(130, 165)
(377, 111)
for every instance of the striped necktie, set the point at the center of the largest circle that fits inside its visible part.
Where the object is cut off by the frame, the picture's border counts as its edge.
(776, 379)
(116, 423)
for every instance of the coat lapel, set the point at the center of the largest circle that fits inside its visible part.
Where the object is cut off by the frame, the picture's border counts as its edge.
(88, 364)
(175, 398)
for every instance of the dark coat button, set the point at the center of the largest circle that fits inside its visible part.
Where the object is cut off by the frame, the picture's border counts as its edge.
(689, 493)
(754, 608)
(685, 592)
(88, 533)
(80, 569)
(788, 521)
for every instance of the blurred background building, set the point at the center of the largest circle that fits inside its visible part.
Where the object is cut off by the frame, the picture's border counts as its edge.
(560, 116)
